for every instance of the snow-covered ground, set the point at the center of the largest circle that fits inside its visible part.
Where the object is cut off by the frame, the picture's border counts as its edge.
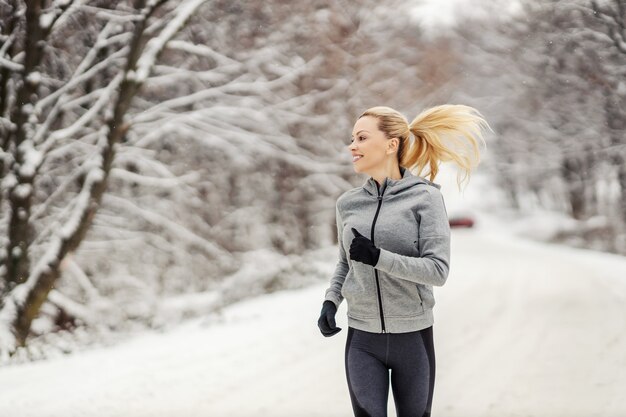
(522, 328)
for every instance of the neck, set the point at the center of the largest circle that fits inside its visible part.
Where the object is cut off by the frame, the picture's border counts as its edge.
(387, 172)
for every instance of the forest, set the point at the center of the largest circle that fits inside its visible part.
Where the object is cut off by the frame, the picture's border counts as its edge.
(153, 152)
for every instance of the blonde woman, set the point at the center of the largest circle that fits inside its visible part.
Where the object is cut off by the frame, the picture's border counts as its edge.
(394, 245)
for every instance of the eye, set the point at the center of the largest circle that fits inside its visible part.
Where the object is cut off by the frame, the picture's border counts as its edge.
(361, 138)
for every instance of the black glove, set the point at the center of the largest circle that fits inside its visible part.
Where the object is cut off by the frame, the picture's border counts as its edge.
(363, 250)
(326, 322)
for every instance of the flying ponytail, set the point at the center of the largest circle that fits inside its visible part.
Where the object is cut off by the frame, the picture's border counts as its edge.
(448, 132)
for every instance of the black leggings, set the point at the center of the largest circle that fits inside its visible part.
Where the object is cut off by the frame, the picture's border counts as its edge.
(411, 359)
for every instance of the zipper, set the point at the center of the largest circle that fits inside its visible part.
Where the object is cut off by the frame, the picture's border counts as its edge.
(380, 300)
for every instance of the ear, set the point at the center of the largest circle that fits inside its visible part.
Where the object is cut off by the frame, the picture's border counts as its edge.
(393, 144)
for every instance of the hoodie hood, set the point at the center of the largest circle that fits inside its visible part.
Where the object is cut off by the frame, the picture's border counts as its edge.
(393, 186)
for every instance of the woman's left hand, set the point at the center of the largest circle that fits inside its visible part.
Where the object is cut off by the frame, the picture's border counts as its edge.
(363, 250)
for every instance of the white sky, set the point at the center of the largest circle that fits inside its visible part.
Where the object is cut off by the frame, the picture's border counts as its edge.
(434, 15)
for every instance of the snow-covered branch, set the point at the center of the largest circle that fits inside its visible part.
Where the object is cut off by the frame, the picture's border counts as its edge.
(239, 85)
(57, 14)
(103, 100)
(86, 69)
(10, 65)
(131, 177)
(144, 161)
(156, 45)
(201, 50)
(210, 248)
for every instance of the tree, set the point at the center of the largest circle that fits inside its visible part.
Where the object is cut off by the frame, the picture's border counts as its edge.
(611, 21)
(44, 110)
(235, 142)
(554, 75)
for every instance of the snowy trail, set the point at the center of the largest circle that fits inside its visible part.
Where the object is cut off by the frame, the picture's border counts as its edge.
(532, 330)
(521, 329)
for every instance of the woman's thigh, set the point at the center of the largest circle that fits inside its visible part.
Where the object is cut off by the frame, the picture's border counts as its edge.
(367, 372)
(412, 363)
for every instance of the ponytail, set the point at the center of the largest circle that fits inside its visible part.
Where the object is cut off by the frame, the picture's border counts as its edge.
(448, 132)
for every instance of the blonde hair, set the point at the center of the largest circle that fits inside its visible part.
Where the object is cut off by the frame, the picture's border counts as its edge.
(448, 132)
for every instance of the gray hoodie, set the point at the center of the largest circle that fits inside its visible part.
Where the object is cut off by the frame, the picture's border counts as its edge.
(407, 220)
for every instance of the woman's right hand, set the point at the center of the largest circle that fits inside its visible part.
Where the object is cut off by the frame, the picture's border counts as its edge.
(326, 322)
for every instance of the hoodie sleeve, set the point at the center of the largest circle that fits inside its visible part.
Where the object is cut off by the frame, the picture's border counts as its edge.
(333, 293)
(434, 246)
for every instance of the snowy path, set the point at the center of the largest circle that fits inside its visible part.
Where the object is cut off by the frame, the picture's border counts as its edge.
(531, 330)
(521, 329)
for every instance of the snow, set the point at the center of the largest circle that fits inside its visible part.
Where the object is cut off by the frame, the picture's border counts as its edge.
(132, 76)
(45, 20)
(521, 328)
(7, 339)
(22, 191)
(27, 109)
(9, 181)
(34, 77)
(21, 213)
(32, 160)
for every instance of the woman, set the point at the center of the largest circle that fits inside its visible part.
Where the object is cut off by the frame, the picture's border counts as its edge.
(396, 231)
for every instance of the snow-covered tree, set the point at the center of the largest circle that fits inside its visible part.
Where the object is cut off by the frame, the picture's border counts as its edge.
(553, 75)
(232, 145)
(57, 104)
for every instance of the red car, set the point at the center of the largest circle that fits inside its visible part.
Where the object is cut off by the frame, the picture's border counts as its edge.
(461, 221)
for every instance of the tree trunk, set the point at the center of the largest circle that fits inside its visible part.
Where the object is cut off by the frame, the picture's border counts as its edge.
(571, 170)
(20, 194)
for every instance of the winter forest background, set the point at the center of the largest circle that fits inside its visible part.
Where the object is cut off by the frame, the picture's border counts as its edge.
(153, 152)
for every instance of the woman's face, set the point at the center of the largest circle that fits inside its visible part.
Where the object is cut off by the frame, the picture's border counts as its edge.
(370, 143)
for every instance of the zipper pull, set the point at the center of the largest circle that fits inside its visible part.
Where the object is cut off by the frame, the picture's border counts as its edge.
(380, 197)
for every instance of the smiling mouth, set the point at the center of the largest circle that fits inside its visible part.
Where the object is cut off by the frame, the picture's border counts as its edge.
(356, 158)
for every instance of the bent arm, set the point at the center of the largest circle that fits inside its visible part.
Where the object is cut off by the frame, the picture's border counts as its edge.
(333, 293)
(433, 265)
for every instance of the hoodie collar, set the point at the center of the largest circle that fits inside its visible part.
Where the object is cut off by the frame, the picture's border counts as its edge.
(393, 186)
